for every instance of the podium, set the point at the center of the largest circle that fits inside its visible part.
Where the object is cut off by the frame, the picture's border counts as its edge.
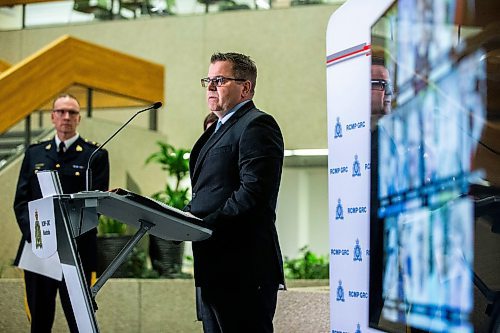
(75, 214)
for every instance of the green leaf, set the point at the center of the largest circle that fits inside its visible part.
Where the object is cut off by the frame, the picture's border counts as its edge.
(110, 226)
(176, 164)
(309, 266)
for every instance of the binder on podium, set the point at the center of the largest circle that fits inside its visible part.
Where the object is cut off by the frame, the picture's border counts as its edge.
(75, 214)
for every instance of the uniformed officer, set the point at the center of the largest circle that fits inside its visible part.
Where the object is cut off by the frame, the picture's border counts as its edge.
(68, 153)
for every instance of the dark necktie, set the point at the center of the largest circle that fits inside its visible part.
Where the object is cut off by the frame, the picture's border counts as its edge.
(62, 146)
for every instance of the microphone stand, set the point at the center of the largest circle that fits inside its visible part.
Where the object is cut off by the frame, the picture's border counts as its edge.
(88, 172)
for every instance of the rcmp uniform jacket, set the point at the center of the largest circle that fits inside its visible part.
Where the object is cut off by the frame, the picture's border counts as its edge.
(71, 167)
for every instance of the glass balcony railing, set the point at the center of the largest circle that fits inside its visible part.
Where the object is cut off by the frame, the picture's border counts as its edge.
(51, 13)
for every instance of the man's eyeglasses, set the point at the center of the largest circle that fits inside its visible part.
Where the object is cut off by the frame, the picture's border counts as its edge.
(62, 112)
(382, 85)
(218, 81)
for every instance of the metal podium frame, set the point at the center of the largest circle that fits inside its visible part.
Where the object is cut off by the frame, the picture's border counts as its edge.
(77, 213)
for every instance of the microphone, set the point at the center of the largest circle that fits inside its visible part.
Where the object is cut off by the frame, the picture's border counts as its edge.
(88, 172)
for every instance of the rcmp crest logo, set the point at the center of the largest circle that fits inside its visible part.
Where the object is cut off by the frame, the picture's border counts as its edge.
(356, 168)
(338, 129)
(339, 211)
(340, 292)
(357, 252)
(38, 232)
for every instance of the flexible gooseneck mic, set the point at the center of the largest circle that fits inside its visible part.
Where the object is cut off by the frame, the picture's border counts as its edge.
(88, 172)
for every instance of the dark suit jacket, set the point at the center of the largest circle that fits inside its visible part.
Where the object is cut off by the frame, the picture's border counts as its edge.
(71, 167)
(235, 176)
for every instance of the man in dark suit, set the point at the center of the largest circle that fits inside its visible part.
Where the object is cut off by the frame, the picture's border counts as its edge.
(235, 170)
(69, 154)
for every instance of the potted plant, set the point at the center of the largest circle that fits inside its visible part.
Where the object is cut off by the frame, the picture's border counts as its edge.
(166, 256)
(111, 238)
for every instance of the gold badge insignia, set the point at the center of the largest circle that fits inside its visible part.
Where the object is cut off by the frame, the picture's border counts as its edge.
(38, 232)
(79, 148)
(77, 173)
(47, 147)
(58, 165)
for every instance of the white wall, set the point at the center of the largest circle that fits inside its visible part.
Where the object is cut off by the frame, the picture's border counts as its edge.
(302, 217)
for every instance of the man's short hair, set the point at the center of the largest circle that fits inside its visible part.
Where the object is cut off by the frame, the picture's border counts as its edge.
(63, 95)
(243, 66)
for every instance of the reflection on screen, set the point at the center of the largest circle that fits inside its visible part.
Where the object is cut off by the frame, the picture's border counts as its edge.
(424, 153)
(422, 216)
(427, 280)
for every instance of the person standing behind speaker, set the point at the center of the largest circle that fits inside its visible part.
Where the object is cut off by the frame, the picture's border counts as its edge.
(235, 168)
(210, 119)
(67, 153)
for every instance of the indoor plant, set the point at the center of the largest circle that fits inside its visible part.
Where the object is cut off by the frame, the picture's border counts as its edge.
(308, 266)
(111, 238)
(166, 256)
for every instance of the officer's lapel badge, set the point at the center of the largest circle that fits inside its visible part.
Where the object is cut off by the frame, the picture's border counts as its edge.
(79, 148)
(38, 232)
(47, 147)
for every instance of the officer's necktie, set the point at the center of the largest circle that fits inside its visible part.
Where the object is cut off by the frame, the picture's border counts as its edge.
(62, 146)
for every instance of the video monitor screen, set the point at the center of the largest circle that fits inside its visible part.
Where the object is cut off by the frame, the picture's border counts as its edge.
(425, 137)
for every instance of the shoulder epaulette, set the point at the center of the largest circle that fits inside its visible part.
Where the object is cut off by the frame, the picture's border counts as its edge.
(40, 143)
(93, 143)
